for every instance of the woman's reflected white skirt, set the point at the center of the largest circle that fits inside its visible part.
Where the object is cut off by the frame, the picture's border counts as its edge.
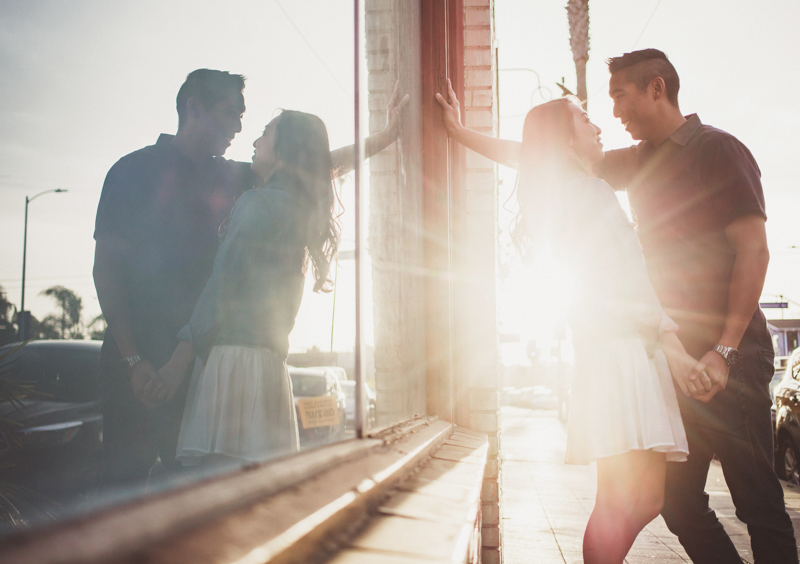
(239, 405)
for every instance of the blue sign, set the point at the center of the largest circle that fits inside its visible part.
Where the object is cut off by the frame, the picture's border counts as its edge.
(774, 305)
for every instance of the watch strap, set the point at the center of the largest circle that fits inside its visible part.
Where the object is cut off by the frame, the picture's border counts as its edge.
(725, 352)
(131, 361)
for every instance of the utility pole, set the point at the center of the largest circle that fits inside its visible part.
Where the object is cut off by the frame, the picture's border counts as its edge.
(24, 316)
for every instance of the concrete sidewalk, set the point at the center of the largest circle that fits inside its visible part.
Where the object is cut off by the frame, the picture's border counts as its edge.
(546, 503)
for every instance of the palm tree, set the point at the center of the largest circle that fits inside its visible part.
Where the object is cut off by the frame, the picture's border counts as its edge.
(71, 307)
(8, 312)
(578, 15)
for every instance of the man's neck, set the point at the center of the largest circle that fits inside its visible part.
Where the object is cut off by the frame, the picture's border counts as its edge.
(191, 146)
(668, 125)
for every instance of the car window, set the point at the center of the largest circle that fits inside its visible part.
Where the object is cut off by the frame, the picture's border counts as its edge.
(308, 385)
(63, 375)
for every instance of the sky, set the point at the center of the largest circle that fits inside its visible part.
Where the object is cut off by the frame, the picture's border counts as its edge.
(88, 81)
(737, 63)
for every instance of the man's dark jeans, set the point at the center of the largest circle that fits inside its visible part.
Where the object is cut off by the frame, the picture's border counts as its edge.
(736, 426)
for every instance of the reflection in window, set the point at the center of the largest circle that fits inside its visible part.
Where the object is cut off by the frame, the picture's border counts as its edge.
(86, 84)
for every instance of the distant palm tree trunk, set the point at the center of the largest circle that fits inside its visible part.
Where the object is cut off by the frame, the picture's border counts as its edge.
(578, 15)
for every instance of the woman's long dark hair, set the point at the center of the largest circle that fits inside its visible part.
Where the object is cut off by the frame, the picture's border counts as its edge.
(545, 164)
(301, 143)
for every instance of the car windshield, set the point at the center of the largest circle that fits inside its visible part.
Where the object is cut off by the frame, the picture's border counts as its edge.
(308, 385)
(55, 375)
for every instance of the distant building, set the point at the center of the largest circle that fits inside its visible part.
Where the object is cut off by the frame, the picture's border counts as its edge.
(785, 335)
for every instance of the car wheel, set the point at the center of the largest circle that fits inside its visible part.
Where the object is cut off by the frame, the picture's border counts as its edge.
(790, 457)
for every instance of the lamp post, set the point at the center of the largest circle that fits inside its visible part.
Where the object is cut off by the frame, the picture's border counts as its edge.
(24, 326)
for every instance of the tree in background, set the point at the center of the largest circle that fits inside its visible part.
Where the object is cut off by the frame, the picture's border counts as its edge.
(8, 313)
(68, 324)
(97, 328)
(578, 15)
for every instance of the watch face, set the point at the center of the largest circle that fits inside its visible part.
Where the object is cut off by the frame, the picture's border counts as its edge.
(733, 357)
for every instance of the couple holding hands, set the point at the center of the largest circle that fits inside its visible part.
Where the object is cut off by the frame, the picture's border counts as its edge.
(672, 353)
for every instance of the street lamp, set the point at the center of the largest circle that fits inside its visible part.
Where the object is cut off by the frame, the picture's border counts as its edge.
(24, 318)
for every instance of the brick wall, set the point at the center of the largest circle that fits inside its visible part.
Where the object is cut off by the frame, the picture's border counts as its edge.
(480, 114)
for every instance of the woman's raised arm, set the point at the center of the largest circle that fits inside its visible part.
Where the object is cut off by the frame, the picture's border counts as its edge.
(344, 157)
(501, 151)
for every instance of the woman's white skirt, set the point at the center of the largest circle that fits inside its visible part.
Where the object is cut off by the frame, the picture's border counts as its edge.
(622, 400)
(239, 405)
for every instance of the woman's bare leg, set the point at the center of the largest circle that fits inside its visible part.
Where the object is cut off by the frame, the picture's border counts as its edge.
(630, 493)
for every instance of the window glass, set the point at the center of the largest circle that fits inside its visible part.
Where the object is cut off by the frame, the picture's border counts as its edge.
(90, 87)
(392, 220)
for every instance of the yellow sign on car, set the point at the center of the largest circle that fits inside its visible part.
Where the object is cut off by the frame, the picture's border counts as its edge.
(320, 411)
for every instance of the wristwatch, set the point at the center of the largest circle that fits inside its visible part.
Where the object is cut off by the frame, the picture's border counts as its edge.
(730, 354)
(131, 361)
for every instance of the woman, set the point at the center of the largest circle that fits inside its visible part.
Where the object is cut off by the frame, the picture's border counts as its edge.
(239, 406)
(623, 408)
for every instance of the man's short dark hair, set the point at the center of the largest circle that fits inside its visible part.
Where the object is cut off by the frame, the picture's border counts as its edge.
(645, 65)
(208, 87)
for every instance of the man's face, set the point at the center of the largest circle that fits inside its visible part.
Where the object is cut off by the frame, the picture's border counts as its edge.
(634, 108)
(222, 122)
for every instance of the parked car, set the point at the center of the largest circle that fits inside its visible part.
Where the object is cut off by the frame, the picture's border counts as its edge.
(53, 435)
(787, 421)
(319, 382)
(349, 387)
(780, 370)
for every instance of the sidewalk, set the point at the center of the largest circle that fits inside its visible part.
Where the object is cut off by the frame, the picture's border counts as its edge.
(546, 503)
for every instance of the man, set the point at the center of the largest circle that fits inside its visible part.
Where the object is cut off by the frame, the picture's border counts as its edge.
(157, 232)
(699, 206)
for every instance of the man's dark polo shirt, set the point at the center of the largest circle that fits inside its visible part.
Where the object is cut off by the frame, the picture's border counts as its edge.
(684, 194)
(159, 215)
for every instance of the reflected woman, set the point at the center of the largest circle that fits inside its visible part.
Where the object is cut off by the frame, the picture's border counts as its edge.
(623, 408)
(239, 406)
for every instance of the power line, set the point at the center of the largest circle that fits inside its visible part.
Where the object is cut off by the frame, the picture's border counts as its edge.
(635, 43)
(311, 48)
(653, 13)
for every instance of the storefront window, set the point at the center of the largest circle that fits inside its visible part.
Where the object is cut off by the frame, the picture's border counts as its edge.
(86, 84)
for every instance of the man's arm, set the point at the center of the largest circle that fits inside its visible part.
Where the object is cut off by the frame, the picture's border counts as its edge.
(344, 158)
(501, 151)
(113, 300)
(748, 238)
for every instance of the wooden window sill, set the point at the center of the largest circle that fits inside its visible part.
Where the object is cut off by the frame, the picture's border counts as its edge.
(287, 510)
